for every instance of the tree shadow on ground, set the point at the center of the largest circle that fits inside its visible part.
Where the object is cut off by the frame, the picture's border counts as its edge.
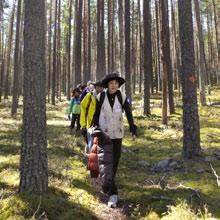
(52, 205)
(157, 200)
(8, 149)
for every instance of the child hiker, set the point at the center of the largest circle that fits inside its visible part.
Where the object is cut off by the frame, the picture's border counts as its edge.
(74, 110)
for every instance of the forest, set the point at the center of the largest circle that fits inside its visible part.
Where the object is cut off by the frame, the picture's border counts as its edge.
(168, 54)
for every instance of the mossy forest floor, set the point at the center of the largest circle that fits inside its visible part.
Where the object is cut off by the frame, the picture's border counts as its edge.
(188, 193)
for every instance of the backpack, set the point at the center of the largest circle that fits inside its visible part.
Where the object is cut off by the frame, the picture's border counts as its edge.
(83, 94)
(118, 94)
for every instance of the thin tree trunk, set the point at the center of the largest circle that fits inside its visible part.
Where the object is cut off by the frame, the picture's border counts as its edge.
(201, 55)
(101, 62)
(110, 36)
(8, 57)
(165, 67)
(127, 49)
(140, 47)
(166, 54)
(89, 42)
(85, 42)
(58, 78)
(78, 44)
(2, 57)
(16, 63)
(121, 35)
(148, 69)
(53, 94)
(158, 43)
(49, 53)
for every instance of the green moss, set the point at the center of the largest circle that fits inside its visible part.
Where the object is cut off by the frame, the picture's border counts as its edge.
(71, 194)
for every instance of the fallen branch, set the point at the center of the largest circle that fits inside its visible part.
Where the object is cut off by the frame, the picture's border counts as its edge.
(217, 177)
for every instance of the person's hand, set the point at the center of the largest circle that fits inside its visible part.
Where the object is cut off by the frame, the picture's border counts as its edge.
(69, 116)
(84, 132)
(133, 131)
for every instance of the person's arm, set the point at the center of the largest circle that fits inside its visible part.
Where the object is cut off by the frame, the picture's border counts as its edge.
(128, 112)
(97, 112)
(83, 109)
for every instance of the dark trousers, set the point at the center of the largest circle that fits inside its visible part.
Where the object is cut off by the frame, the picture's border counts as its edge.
(116, 157)
(75, 119)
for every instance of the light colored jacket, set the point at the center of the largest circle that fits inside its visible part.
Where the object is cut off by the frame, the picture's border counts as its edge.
(111, 119)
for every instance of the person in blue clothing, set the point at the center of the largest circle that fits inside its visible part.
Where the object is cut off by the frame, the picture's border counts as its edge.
(74, 110)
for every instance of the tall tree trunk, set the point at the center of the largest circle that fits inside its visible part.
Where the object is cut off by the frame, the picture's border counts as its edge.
(121, 35)
(140, 47)
(191, 127)
(127, 49)
(133, 48)
(53, 94)
(89, 42)
(68, 49)
(217, 26)
(101, 62)
(158, 43)
(85, 42)
(167, 67)
(33, 161)
(148, 69)
(16, 63)
(110, 36)
(78, 43)
(2, 58)
(201, 55)
(49, 52)
(176, 49)
(58, 78)
(8, 57)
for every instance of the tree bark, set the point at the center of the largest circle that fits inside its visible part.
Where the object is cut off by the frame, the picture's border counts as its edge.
(202, 60)
(121, 35)
(78, 43)
(33, 162)
(8, 56)
(167, 67)
(127, 49)
(101, 62)
(53, 94)
(148, 69)
(16, 63)
(191, 127)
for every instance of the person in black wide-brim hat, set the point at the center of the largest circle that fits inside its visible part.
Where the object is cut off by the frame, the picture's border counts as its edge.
(113, 76)
(109, 117)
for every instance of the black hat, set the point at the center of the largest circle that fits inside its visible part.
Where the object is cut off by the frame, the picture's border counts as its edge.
(77, 90)
(98, 83)
(112, 76)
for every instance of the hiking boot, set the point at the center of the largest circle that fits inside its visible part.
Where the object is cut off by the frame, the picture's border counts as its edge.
(113, 200)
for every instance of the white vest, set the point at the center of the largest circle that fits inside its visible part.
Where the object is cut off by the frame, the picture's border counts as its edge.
(111, 119)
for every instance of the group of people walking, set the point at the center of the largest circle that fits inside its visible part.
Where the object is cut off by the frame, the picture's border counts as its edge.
(101, 105)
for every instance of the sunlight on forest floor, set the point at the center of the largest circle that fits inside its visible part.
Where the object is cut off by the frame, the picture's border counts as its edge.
(71, 194)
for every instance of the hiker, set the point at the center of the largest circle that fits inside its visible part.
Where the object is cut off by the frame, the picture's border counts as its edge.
(86, 89)
(88, 107)
(109, 118)
(74, 110)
